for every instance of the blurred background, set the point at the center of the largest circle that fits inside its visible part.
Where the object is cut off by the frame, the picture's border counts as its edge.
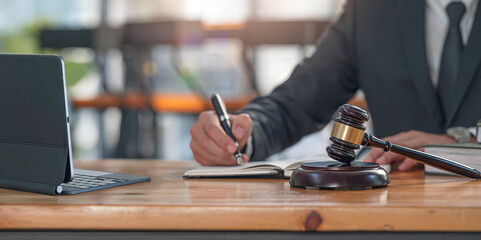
(140, 71)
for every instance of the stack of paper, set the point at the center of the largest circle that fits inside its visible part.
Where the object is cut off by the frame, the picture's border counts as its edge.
(468, 154)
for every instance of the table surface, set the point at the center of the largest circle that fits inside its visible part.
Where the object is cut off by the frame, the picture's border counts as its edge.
(411, 202)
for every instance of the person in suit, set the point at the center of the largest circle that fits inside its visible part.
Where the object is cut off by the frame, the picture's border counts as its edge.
(418, 63)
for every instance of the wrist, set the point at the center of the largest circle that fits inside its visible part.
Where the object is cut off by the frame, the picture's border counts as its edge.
(459, 134)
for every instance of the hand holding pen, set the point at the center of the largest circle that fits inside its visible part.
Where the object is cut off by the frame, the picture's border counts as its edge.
(210, 144)
(220, 110)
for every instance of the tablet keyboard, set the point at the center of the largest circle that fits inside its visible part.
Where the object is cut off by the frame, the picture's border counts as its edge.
(86, 181)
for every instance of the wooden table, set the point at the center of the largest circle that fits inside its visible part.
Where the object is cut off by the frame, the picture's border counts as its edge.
(411, 202)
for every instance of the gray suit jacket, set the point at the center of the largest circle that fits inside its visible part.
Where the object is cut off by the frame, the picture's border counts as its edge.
(377, 46)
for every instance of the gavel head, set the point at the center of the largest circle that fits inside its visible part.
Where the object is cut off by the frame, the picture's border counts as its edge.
(348, 133)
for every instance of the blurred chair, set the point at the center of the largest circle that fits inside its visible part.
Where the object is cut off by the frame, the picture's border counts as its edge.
(138, 103)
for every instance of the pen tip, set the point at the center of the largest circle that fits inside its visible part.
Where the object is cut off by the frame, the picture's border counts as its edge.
(238, 158)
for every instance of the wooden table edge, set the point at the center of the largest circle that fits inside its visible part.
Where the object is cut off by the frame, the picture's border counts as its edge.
(237, 218)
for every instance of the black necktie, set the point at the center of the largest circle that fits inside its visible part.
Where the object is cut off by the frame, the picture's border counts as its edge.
(451, 59)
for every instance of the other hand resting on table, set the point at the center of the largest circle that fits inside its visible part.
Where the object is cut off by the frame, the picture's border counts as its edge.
(411, 139)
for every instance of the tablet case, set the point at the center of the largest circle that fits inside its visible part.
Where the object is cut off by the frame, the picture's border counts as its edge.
(34, 146)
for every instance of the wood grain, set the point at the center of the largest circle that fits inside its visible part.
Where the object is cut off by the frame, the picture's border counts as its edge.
(412, 202)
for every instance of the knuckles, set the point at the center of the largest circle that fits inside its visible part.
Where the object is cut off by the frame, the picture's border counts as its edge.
(192, 129)
(211, 128)
(192, 146)
(204, 144)
(415, 133)
(206, 116)
(202, 115)
(207, 123)
(243, 119)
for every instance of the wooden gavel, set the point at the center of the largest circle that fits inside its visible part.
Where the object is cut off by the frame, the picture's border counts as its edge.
(349, 133)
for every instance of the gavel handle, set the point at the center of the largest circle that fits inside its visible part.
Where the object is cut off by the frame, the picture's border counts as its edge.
(426, 158)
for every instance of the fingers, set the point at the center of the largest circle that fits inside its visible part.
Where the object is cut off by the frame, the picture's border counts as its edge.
(207, 159)
(416, 139)
(211, 146)
(411, 139)
(241, 128)
(381, 157)
(402, 136)
(211, 125)
(373, 155)
(202, 142)
(208, 150)
(389, 158)
(403, 163)
(376, 152)
(408, 164)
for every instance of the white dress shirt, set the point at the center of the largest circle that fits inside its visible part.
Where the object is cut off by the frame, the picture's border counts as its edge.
(436, 28)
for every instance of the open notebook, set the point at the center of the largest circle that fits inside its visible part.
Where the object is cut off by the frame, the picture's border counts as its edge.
(279, 169)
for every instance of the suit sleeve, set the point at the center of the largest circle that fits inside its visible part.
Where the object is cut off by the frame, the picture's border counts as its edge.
(309, 98)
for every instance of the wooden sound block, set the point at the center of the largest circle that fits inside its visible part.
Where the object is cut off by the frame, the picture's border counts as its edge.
(337, 175)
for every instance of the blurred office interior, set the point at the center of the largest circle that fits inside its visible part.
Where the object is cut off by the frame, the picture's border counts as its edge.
(139, 71)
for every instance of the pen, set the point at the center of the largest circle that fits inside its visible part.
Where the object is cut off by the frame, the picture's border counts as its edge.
(220, 110)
